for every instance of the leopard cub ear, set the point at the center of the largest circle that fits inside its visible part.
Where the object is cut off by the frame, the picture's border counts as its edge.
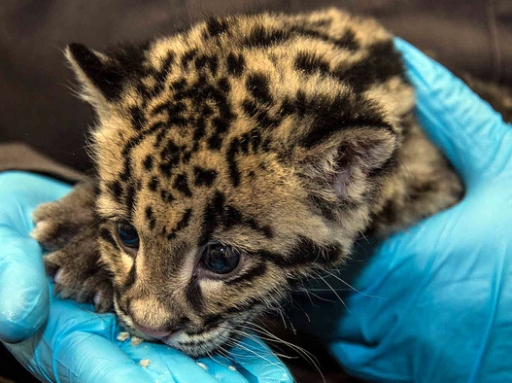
(102, 77)
(344, 164)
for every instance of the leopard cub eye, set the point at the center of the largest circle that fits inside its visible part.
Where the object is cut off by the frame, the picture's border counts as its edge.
(128, 234)
(219, 258)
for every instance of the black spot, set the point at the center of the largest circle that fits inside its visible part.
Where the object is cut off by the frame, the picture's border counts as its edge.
(182, 224)
(130, 198)
(150, 217)
(261, 37)
(137, 117)
(116, 189)
(170, 158)
(234, 172)
(212, 320)
(308, 251)
(153, 184)
(265, 121)
(265, 230)
(223, 84)
(194, 295)
(214, 142)
(301, 103)
(244, 143)
(348, 41)
(287, 108)
(329, 115)
(148, 163)
(305, 251)
(231, 217)
(207, 62)
(162, 74)
(215, 27)
(173, 109)
(235, 64)
(265, 146)
(255, 140)
(166, 196)
(188, 56)
(181, 184)
(130, 279)
(249, 275)
(258, 85)
(381, 63)
(178, 85)
(212, 215)
(204, 177)
(250, 108)
(310, 63)
(219, 125)
(327, 208)
(105, 234)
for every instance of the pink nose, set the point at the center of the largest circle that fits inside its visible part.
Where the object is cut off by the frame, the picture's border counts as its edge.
(158, 334)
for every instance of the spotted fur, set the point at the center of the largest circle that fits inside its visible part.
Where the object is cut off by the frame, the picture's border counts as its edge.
(284, 137)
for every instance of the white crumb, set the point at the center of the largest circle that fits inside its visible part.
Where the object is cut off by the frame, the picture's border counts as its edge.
(123, 335)
(202, 365)
(144, 363)
(136, 341)
(232, 368)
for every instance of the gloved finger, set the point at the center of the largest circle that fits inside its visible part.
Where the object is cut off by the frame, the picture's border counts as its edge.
(25, 298)
(467, 129)
(256, 362)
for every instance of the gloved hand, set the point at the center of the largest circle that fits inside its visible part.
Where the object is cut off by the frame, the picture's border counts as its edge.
(68, 342)
(434, 303)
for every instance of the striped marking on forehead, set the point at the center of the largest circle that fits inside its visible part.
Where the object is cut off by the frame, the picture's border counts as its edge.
(220, 214)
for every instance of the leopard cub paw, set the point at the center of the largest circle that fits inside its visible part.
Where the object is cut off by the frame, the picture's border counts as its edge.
(68, 229)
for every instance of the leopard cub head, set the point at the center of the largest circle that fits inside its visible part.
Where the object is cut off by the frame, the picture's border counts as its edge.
(235, 159)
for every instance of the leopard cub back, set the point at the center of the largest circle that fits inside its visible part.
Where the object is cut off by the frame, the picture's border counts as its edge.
(237, 157)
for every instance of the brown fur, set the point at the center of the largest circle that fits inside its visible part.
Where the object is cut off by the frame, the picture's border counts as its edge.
(284, 137)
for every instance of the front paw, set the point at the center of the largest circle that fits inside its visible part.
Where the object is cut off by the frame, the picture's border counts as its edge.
(68, 228)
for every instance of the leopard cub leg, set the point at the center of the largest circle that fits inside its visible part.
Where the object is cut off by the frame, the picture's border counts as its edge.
(69, 230)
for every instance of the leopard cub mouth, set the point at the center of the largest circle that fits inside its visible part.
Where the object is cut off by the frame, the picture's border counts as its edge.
(195, 343)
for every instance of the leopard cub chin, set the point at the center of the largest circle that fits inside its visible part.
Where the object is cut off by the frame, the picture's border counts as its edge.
(233, 160)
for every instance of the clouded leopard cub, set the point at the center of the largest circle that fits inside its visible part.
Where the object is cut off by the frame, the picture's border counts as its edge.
(232, 160)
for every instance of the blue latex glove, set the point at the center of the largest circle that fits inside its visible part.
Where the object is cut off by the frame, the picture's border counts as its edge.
(68, 342)
(434, 303)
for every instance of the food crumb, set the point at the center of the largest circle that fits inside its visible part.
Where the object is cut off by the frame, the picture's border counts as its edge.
(144, 363)
(136, 341)
(232, 368)
(202, 365)
(123, 336)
